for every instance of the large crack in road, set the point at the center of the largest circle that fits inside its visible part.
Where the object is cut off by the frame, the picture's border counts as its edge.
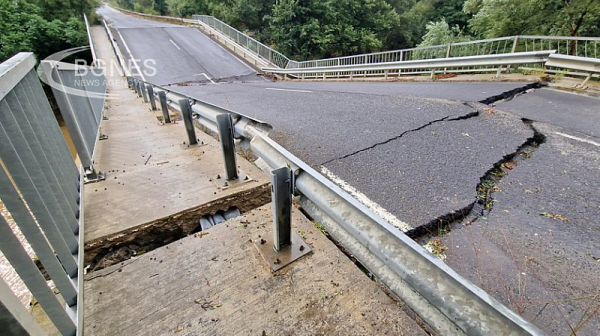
(488, 185)
(444, 119)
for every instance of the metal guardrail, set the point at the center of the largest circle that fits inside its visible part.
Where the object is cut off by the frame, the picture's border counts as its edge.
(80, 94)
(267, 53)
(587, 47)
(448, 64)
(41, 188)
(577, 46)
(447, 302)
(122, 60)
(590, 65)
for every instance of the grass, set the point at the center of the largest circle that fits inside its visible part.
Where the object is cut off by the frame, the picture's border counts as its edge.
(321, 228)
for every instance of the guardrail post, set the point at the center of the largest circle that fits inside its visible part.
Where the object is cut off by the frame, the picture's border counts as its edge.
(162, 98)
(225, 127)
(448, 50)
(151, 96)
(138, 87)
(585, 81)
(281, 196)
(144, 94)
(284, 246)
(186, 111)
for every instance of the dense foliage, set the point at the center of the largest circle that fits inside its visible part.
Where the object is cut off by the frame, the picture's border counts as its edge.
(42, 26)
(494, 18)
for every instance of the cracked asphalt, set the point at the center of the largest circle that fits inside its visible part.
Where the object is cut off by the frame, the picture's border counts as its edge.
(540, 245)
(398, 145)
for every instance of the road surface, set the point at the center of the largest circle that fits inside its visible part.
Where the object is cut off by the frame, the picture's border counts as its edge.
(424, 155)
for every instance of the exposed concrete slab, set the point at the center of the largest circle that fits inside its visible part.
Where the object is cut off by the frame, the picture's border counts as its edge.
(323, 293)
(151, 175)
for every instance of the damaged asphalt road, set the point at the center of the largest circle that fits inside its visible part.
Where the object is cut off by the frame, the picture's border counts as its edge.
(538, 251)
(424, 177)
(517, 210)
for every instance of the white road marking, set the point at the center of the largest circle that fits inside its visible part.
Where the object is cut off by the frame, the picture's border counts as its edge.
(376, 208)
(205, 75)
(289, 90)
(578, 139)
(175, 44)
(131, 57)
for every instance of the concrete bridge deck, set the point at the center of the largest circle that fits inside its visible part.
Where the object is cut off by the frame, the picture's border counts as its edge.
(213, 282)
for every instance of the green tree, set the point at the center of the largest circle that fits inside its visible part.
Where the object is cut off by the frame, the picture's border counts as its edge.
(442, 33)
(310, 28)
(494, 18)
(24, 28)
(161, 7)
(252, 15)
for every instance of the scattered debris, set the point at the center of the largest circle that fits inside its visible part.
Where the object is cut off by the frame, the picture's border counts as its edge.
(554, 216)
(207, 304)
(436, 248)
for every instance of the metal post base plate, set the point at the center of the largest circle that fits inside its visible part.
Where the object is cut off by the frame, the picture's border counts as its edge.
(287, 255)
(100, 176)
(223, 184)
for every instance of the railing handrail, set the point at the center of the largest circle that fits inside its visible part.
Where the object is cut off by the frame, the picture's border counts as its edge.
(273, 51)
(466, 61)
(443, 46)
(90, 41)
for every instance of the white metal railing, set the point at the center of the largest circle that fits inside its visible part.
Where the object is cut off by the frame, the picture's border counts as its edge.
(41, 186)
(272, 56)
(365, 64)
(576, 46)
(494, 62)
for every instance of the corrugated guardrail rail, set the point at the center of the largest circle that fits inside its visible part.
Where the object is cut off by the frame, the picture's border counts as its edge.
(447, 302)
